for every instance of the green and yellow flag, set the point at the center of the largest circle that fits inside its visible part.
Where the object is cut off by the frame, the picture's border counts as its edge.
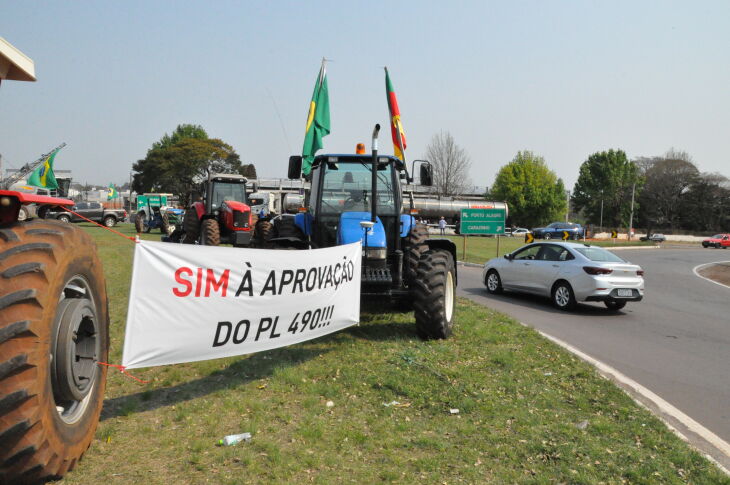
(43, 175)
(318, 121)
(112, 193)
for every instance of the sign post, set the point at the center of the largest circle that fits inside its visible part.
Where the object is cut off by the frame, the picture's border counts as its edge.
(484, 222)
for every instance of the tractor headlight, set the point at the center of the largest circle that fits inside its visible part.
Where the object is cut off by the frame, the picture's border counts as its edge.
(375, 253)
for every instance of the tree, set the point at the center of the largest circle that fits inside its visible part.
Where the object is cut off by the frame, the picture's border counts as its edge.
(606, 181)
(450, 164)
(179, 162)
(668, 183)
(536, 196)
(704, 207)
(181, 132)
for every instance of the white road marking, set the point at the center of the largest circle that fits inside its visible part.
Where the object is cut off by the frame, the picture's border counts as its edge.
(696, 269)
(612, 374)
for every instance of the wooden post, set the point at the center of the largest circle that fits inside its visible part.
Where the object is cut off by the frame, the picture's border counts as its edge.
(463, 251)
(497, 245)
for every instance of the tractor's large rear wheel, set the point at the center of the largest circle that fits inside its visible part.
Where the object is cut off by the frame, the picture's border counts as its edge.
(211, 233)
(53, 330)
(415, 245)
(434, 295)
(191, 226)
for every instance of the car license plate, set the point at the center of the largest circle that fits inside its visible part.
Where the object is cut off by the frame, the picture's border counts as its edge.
(624, 292)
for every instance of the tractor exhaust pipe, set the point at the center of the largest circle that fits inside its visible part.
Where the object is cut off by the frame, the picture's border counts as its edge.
(374, 188)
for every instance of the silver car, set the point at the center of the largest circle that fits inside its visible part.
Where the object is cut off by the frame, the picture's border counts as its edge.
(567, 273)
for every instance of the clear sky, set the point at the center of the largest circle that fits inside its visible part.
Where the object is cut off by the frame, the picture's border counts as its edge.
(561, 78)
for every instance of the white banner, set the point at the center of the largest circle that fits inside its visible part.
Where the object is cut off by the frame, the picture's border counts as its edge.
(190, 303)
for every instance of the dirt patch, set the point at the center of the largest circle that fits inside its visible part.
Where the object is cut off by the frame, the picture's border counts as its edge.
(717, 272)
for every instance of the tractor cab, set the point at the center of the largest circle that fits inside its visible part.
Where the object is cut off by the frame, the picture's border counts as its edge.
(341, 197)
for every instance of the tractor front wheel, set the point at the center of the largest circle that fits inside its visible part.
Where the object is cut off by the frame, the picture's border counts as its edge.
(54, 325)
(211, 233)
(434, 294)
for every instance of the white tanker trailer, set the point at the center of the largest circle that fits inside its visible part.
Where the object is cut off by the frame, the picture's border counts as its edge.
(450, 209)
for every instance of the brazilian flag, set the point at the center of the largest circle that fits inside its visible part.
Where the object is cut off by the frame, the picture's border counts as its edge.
(318, 121)
(43, 175)
(112, 193)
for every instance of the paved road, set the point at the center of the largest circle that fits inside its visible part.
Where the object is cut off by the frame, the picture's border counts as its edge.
(676, 342)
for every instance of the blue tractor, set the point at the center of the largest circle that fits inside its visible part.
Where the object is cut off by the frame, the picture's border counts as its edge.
(359, 198)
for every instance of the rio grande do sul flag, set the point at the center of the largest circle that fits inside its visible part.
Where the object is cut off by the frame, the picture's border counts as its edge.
(396, 127)
(318, 120)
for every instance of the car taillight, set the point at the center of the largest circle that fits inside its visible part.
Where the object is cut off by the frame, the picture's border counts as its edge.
(640, 272)
(592, 270)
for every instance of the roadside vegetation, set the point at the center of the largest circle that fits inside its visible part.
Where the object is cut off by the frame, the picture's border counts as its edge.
(528, 412)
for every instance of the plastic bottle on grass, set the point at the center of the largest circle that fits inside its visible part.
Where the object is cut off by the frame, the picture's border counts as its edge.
(234, 439)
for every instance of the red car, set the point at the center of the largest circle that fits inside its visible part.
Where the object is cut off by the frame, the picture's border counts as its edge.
(717, 241)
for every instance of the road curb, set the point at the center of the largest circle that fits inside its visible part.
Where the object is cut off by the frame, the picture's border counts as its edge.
(697, 268)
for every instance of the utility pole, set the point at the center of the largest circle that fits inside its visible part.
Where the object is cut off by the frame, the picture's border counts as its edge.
(567, 198)
(631, 217)
(601, 224)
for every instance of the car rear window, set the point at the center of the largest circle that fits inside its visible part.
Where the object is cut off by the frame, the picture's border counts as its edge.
(599, 255)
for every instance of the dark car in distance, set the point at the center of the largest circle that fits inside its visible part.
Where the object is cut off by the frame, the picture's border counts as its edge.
(90, 210)
(556, 229)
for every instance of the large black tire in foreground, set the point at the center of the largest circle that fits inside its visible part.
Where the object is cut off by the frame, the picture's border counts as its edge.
(53, 330)
(434, 294)
(211, 233)
(415, 245)
(191, 226)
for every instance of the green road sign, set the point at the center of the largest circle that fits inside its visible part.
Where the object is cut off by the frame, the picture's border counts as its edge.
(482, 221)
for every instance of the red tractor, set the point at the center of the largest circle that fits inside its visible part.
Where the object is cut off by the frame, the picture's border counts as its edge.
(54, 329)
(223, 216)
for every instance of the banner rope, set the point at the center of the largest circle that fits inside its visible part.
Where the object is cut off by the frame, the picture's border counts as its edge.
(100, 225)
(123, 370)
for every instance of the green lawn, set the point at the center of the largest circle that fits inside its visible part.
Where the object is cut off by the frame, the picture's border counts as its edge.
(528, 412)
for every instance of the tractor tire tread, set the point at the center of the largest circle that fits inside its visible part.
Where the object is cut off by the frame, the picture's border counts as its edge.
(34, 266)
(429, 295)
(211, 232)
(415, 245)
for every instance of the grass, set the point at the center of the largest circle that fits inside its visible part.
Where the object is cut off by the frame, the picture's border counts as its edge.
(482, 249)
(528, 411)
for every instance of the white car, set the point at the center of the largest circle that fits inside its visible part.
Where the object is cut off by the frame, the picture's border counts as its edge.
(520, 232)
(567, 273)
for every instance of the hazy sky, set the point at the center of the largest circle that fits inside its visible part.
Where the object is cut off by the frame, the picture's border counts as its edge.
(563, 79)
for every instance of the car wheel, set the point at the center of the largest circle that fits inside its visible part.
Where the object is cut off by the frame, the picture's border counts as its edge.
(704, 244)
(547, 236)
(23, 214)
(614, 305)
(109, 221)
(64, 218)
(563, 297)
(493, 282)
